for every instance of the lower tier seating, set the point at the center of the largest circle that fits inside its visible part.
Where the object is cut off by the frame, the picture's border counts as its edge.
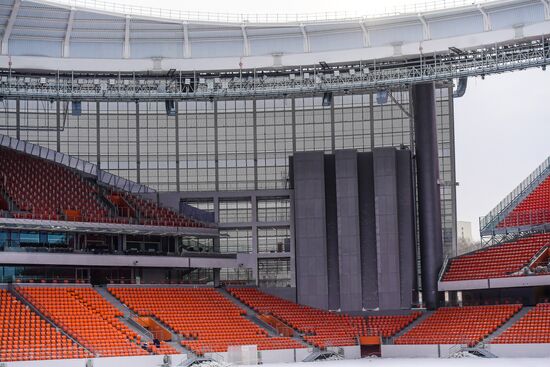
(207, 320)
(534, 327)
(87, 317)
(24, 336)
(496, 261)
(322, 328)
(461, 325)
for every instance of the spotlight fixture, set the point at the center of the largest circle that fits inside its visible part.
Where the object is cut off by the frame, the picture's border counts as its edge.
(324, 65)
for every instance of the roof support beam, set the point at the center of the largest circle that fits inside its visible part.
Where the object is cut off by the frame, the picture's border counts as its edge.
(126, 52)
(246, 48)
(307, 48)
(186, 45)
(486, 19)
(66, 42)
(546, 4)
(366, 35)
(425, 27)
(9, 26)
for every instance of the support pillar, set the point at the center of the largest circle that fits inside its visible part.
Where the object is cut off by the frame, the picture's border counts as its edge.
(427, 165)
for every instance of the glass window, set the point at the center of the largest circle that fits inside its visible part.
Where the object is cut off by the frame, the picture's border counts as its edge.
(235, 211)
(272, 240)
(274, 210)
(274, 272)
(236, 240)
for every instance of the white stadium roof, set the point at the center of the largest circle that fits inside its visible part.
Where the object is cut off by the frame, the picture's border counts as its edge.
(68, 36)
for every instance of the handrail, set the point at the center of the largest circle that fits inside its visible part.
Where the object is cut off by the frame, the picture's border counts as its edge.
(538, 255)
(443, 268)
(511, 198)
(206, 16)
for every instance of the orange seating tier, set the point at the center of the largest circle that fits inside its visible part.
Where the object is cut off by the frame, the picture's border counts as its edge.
(534, 209)
(207, 320)
(533, 327)
(460, 325)
(496, 261)
(87, 317)
(45, 190)
(322, 328)
(24, 336)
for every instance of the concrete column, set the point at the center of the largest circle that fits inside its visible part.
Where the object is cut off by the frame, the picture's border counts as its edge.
(427, 164)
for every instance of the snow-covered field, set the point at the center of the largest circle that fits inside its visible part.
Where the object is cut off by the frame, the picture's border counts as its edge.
(422, 362)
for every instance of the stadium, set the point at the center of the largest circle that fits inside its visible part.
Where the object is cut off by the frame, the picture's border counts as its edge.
(206, 189)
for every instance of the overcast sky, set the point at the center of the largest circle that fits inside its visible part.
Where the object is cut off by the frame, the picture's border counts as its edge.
(502, 123)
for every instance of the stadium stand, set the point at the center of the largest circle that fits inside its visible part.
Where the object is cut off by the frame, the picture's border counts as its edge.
(89, 318)
(207, 320)
(533, 210)
(461, 325)
(534, 327)
(322, 328)
(24, 336)
(496, 261)
(44, 190)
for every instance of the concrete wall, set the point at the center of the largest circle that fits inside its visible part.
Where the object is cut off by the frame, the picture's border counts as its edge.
(310, 229)
(142, 361)
(278, 356)
(349, 250)
(331, 228)
(520, 350)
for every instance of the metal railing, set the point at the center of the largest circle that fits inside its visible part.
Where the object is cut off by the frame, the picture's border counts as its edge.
(220, 17)
(500, 212)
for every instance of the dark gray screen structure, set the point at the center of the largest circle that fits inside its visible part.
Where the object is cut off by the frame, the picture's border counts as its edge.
(370, 199)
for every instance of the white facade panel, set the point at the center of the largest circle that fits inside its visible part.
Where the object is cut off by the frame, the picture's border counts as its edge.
(335, 41)
(520, 15)
(217, 48)
(30, 47)
(98, 50)
(268, 46)
(396, 34)
(451, 27)
(148, 49)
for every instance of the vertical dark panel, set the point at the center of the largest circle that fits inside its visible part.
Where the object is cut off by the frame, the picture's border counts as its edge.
(349, 251)
(138, 153)
(310, 224)
(367, 226)
(428, 190)
(332, 234)
(387, 228)
(406, 202)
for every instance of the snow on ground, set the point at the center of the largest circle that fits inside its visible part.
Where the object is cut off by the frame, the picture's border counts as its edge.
(425, 362)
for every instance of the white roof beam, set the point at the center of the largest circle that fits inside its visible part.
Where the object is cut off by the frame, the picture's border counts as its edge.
(366, 34)
(246, 48)
(186, 45)
(425, 27)
(486, 19)
(67, 41)
(126, 52)
(546, 4)
(9, 26)
(307, 47)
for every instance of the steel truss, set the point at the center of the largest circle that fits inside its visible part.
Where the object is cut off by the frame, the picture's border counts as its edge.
(183, 85)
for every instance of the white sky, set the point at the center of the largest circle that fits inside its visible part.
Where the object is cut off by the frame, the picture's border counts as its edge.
(502, 123)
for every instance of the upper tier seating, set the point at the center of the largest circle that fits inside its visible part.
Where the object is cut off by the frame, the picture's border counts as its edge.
(45, 190)
(24, 336)
(496, 261)
(533, 210)
(534, 327)
(460, 325)
(208, 321)
(323, 328)
(88, 318)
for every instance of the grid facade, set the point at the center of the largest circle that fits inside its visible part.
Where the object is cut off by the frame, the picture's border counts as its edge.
(211, 150)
